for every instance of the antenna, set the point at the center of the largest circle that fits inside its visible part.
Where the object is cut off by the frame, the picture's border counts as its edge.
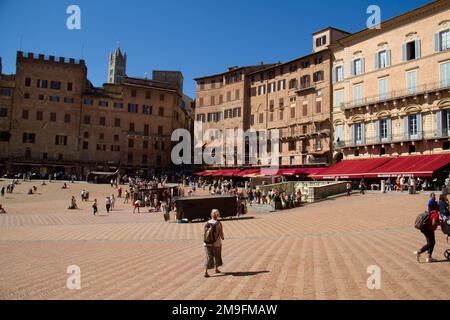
(20, 42)
(82, 50)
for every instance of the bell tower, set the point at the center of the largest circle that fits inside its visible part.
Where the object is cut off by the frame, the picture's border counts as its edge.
(117, 66)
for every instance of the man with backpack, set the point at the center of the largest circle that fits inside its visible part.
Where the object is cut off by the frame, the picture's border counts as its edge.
(427, 224)
(212, 238)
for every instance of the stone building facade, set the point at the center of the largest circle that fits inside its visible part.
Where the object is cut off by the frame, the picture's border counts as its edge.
(391, 87)
(377, 92)
(222, 102)
(293, 98)
(54, 120)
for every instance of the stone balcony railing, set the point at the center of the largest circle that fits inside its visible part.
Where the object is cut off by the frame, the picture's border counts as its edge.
(394, 138)
(397, 94)
(7, 77)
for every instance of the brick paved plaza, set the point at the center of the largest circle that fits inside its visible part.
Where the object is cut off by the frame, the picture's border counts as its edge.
(321, 251)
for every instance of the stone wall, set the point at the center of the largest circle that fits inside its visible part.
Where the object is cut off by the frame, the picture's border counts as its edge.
(312, 191)
(316, 191)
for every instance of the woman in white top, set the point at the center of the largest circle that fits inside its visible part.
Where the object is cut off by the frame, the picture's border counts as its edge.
(213, 251)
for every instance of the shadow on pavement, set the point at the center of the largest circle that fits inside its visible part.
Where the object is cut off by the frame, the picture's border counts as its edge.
(241, 274)
(441, 261)
(233, 219)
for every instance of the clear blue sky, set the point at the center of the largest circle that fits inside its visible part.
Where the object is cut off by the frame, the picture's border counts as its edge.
(197, 37)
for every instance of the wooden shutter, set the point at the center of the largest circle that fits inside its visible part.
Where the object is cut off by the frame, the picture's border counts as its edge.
(439, 123)
(418, 51)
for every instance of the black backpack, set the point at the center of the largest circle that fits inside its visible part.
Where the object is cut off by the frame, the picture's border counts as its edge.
(422, 220)
(210, 234)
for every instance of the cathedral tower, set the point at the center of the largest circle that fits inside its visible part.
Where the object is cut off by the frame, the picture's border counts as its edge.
(117, 66)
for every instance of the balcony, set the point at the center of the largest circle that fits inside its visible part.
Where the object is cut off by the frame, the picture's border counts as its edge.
(131, 134)
(397, 94)
(316, 161)
(324, 132)
(395, 138)
(305, 87)
(8, 77)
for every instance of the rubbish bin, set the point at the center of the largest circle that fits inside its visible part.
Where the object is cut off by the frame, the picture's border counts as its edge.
(410, 189)
(383, 186)
(414, 186)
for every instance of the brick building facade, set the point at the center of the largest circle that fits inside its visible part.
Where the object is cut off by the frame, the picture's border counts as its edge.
(377, 92)
(52, 119)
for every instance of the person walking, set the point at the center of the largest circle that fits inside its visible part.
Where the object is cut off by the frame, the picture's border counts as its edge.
(3, 192)
(388, 185)
(432, 201)
(137, 205)
(242, 209)
(165, 211)
(127, 197)
(348, 188)
(94, 206)
(113, 201)
(108, 204)
(362, 187)
(428, 231)
(119, 192)
(446, 185)
(213, 237)
(443, 207)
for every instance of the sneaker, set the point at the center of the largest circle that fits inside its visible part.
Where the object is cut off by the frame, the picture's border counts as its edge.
(430, 260)
(417, 255)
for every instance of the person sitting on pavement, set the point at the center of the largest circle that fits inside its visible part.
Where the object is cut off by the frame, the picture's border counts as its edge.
(73, 204)
(2, 210)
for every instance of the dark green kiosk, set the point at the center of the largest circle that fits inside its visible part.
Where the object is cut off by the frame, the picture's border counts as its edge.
(199, 208)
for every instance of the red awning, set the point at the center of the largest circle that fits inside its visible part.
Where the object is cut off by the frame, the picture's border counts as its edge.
(247, 172)
(204, 173)
(216, 173)
(259, 172)
(314, 171)
(351, 169)
(298, 171)
(289, 171)
(416, 166)
(225, 173)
